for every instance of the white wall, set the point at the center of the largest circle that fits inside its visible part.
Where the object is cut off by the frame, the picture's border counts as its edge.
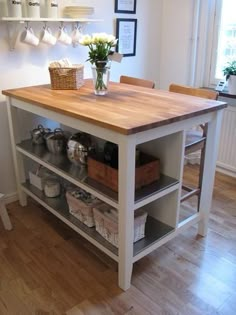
(186, 33)
(28, 65)
(176, 41)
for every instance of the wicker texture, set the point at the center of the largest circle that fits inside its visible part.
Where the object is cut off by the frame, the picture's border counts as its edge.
(81, 210)
(67, 78)
(106, 222)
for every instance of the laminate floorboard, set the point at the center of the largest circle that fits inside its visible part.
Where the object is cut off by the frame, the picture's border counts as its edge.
(48, 269)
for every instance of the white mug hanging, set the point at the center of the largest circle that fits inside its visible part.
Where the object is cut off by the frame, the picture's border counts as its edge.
(47, 36)
(63, 37)
(28, 37)
(76, 35)
(33, 8)
(14, 8)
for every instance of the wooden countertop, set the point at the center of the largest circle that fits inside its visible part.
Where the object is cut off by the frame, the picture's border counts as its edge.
(126, 109)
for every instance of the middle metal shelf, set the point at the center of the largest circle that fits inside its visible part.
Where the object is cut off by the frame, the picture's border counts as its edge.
(61, 165)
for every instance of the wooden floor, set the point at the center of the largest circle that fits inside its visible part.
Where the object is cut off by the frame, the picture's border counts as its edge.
(46, 268)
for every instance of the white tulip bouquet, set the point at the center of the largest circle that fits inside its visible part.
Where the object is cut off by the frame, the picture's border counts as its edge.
(100, 47)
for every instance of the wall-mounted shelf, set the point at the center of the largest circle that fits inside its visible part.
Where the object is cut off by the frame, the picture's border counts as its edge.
(28, 19)
(14, 24)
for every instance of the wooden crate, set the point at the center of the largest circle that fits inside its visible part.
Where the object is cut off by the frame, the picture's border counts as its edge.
(146, 172)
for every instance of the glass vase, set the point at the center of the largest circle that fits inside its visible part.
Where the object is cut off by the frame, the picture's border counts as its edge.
(101, 77)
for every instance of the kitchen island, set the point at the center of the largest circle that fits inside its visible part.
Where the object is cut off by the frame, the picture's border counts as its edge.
(129, 116)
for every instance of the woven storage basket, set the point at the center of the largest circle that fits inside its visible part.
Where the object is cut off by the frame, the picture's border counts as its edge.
(106, 222)
(81, 210)
(68, 78)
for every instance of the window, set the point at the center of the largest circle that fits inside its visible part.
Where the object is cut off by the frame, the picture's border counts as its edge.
(224, 42)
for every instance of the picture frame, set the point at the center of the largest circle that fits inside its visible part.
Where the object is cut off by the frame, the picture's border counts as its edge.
(125, 6)
(126, 33)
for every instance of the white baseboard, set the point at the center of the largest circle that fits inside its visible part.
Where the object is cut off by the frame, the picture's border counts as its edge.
(12, 197)
(225, 170)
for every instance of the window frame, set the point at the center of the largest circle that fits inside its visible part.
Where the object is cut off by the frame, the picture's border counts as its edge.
(214, 31)
(215, 39)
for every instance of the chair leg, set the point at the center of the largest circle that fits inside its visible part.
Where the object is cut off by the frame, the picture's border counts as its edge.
(202, 160)
(4, 215)
(201, 167)
(196, 191)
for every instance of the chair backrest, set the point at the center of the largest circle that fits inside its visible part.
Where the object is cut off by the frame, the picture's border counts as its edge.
(136, 81)
(204, 93)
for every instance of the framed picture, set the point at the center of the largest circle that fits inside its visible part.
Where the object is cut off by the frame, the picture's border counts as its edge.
(126, 32)
(125, 6)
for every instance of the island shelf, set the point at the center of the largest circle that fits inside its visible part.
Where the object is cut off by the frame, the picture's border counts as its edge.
(156, 230)
(60, 165)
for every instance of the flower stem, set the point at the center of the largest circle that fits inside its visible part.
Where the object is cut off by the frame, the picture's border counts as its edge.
(100, 85)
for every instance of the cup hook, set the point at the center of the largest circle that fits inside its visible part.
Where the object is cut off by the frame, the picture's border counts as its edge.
(62, 25)
(81, 26)
(27, 25)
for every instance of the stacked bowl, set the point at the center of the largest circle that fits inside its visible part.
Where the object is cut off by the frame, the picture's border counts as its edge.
(77, 11)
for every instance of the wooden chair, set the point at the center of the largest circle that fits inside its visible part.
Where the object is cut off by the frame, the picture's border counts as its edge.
(4, 215)
(195, 139)
(136, 81)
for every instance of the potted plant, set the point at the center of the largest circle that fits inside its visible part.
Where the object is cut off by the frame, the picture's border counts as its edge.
(230, 75)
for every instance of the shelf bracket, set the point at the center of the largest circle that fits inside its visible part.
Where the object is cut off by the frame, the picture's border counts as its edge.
(12, 33)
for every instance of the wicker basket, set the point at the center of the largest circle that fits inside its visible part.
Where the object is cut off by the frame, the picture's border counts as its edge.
(81, 210)
(67, 78)
(106, 222)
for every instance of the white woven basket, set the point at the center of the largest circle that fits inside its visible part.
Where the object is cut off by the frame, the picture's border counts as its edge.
(81, 210)
(106, 222)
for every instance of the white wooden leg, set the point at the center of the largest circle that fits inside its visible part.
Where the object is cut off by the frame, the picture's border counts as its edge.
(126, 209)
(213, 135)
(17, 157)
(4, 215)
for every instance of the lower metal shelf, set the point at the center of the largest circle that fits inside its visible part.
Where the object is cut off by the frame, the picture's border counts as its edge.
(154, 230)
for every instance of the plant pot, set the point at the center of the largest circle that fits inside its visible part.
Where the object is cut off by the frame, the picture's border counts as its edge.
(232, 84)
(101, 77)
